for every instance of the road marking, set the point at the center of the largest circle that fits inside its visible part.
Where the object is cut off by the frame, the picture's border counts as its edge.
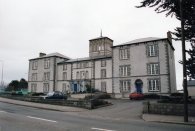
(3, 111)
(41, 119)
(101, 129)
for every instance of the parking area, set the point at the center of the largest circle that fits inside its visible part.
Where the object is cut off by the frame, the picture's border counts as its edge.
(121, 109)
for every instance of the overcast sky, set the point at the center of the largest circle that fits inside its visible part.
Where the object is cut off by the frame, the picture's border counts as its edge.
(28, 27)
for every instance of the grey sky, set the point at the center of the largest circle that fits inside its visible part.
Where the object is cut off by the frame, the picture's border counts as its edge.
(28, 27)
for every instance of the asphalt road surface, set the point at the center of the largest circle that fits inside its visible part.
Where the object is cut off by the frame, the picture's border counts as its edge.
(124, 115)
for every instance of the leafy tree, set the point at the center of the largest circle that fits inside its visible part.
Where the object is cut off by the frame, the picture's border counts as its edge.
(17, 85)
(172, 7)
(23, 84)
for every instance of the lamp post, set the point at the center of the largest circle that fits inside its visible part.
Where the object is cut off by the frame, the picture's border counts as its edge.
(2, 74)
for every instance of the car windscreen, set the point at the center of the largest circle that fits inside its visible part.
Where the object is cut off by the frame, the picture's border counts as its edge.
(50, 94)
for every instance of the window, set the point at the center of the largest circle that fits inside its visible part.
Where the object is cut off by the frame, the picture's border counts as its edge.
(34, 77)
(77, 75)
(102, 45)
(124, 70)
(63, 87)
(86, 64)
(82, 75)
(124, 86)
(46, 87)
(64, 67)
(103, 73)
(124, 53)
(103, 86)
(86, 75)
(47, 63)
(81, 65)
(33, 87)
(153, 69)
(153, 84)
(152, 50)
(78, 65)
(103, 63)
(34, 65)
(64, 76)
(47, 76)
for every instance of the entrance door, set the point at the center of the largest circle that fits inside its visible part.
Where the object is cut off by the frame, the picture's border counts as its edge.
(139, 88)
(75, 87)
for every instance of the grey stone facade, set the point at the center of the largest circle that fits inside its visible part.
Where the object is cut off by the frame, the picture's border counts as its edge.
(144, 65)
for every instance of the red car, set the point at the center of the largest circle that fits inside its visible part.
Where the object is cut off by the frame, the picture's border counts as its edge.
(136, 96)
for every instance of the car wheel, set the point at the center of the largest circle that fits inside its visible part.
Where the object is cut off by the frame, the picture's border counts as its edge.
(130, 98)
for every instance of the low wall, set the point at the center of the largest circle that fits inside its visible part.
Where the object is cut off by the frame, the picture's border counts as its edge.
(79, 96)
(167, 108)
(88, 104)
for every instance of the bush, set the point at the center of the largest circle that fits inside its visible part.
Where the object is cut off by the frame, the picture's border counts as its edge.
(38, 94)
(152, 96)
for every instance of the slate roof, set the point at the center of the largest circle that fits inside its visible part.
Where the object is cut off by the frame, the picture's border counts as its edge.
(141, 40)
(85, 59)
(52, 54)
(100, 38)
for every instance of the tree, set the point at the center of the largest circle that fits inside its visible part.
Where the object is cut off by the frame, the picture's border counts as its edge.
(172, 7)
(17, 85)
(23, 84)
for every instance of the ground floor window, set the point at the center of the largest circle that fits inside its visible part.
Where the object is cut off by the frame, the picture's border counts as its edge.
(153, 84)
(125, 85)
(63, 87)
(33, 87)
(46, 87)
(103, 87)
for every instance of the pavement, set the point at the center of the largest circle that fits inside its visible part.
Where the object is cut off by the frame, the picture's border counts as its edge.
(146, 117)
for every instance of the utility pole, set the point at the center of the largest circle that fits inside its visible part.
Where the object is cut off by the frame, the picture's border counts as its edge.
(2, 74)
(184, 65)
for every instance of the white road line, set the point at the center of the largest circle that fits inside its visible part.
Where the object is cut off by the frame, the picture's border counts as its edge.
(101, 129)
(41, 119)
(3, 111)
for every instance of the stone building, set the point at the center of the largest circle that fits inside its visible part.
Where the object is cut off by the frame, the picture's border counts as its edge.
(144, 65)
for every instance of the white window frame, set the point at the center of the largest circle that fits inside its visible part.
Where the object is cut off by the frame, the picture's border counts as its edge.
(33, 87)
(82, 73)
(152, 50)
(64, 76)
(86, 75)
(124, 70)
(153, 69)
(64, 67)
(103, 63)
(153, 85)
(45, 87)
(103, 73)
(34, 65)
(77, 75)
(64, 87)
(124, 53)
(34, 77)
(47, 63)
(47, 76)
(125, 85)
(103, 87)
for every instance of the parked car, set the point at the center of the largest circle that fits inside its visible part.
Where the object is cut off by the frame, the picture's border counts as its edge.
(55, 95)
(136, 95)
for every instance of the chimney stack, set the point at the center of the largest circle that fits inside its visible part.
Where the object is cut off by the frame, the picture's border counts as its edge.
(169, 36)
(41, 54)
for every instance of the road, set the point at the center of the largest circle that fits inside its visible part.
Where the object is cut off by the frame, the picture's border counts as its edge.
(124, 115)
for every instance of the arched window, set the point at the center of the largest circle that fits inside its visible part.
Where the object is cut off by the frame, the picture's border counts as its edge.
(77, 76)
(86, 75)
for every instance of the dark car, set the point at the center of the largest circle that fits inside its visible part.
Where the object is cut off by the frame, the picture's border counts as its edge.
(136, 96)
(55, 95)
